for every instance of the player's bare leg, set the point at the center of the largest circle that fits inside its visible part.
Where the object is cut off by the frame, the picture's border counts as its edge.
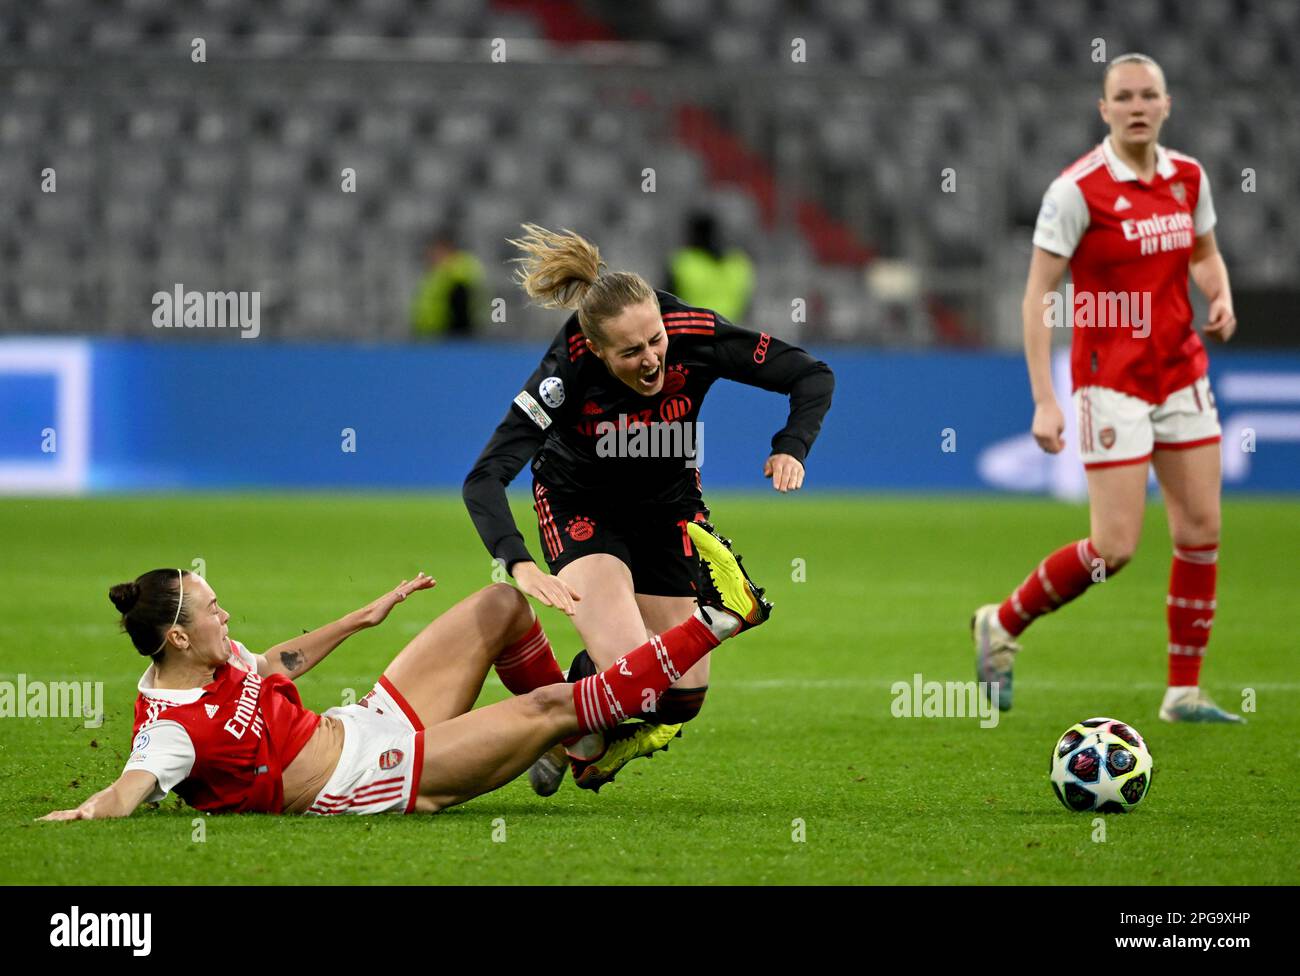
(1117, 499)
(441, 671)
(603, 756)
(635, 740)
(608, 618)
(484, 749)
(609, 622)
(1117, 502)
(684, 700)
(617, 617)
(1190, 480)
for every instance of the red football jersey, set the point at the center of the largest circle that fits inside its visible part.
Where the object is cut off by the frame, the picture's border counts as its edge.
(222, 747)
(1129, 245)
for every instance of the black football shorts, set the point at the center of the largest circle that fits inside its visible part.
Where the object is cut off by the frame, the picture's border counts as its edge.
(651, 540)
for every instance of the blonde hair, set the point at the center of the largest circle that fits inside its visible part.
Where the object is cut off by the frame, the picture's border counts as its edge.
(565, 271)
(1133, 57)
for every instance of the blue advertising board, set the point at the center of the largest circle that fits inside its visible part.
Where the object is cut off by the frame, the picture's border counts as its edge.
(92, 415)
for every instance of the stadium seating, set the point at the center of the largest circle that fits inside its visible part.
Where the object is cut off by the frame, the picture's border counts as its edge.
(227, 175)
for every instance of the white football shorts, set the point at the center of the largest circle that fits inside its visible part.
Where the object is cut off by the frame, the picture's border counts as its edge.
(1116, 428)
(383, 754)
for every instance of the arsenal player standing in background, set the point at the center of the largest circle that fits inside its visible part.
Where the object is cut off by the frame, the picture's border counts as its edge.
(1130, 219)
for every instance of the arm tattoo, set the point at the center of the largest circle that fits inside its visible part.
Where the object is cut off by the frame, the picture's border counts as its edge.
(291, 660)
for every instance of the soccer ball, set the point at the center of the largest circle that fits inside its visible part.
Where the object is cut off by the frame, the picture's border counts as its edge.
(1101, 765)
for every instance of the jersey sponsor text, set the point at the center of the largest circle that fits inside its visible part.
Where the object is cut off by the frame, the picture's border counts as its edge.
(247, 714)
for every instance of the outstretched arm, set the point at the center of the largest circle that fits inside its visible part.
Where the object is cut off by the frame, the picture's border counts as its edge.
(118, 800)
(511, 446)
(514, 443)
(299, 655)
(761, 360)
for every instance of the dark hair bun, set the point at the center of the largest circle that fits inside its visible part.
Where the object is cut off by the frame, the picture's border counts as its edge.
(124, 596)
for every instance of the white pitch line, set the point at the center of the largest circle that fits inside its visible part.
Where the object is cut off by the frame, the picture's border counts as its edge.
(885, 684)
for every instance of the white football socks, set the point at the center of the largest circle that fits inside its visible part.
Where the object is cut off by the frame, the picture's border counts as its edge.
(590, 746)
(721, 623)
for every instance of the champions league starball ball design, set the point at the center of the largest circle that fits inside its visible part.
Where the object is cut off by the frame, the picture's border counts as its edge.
(1101, 764)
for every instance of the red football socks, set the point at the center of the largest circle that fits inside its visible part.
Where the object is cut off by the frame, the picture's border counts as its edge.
(1059, 578)
(631, 688)
(1190, 611)
(529, 663)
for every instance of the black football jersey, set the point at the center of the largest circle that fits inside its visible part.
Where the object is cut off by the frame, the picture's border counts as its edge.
(586, 432)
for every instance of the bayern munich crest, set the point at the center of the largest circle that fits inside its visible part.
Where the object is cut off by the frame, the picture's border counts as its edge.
(391, 758)
(580, 528)
(675, 378)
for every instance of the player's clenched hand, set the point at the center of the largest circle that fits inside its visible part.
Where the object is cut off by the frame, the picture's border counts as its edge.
(785, 471)
(1049, 424)
(550, 591)
(1223, 323)
(373, 614)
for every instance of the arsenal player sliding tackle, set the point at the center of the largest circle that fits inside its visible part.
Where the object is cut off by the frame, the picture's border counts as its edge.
(227, 731)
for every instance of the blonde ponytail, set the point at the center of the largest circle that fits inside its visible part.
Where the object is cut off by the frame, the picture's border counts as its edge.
(565, 271)
(557, 269)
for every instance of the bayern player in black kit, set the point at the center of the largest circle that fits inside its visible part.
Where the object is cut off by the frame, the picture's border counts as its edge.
(609, 424)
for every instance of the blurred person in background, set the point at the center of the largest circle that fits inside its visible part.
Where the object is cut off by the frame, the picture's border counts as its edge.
(704, 275)
(447, 301)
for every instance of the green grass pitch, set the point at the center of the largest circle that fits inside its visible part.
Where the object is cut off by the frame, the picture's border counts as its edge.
(798, 728)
